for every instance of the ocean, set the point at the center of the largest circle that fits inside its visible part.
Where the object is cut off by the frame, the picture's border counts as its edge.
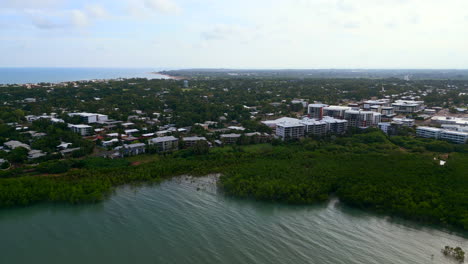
(55, 75)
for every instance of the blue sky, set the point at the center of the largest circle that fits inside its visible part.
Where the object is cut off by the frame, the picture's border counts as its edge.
(234, 34)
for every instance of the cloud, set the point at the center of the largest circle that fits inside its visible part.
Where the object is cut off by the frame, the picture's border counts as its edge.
(22, 4)
(79, 19)
(97, 11)
(163, 6)
(221, 32)
(44, 23)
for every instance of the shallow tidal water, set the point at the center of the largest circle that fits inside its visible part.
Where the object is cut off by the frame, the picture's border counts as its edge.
(187, 220)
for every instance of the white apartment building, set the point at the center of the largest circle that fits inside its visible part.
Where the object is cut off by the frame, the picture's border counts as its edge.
(408, 107)
(90, 118)
(336, 126)
(316, 110)
(428, 132)
(459, 121)
(164, 143)
(335, 111)
(454, 136)
(191, 141)
(359, 118)
(83, 130)
(230, 138)
(381, 102)
(315, 127)
(288, 130)
(408, 122)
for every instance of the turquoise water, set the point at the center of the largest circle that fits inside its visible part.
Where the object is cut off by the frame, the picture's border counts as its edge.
(187, 220)
(55, 75)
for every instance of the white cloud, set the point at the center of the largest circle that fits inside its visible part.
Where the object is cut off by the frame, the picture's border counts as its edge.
(163, 6)
(97, 11)
(44, 22)
(79, 19)
(21, 4)
(221, 32)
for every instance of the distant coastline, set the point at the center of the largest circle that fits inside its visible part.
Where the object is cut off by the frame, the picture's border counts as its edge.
(21, 76)
(169, 76)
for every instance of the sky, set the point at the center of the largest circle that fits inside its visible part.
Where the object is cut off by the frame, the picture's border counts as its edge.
(268, 34)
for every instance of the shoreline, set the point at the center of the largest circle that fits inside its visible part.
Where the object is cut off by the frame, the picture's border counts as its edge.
(178, 78)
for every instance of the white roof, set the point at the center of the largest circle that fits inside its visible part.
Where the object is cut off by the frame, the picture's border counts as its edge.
(236, 128)
(80, 126)
(163, 139)
(281, 120)
(432, 129)
(193, 138)
(289, 124)
(403, 119)
(230, 135)
(338, 107)
(309, 122)
(317, 105)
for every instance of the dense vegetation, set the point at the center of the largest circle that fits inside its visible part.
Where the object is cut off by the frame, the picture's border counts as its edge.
(365, 170)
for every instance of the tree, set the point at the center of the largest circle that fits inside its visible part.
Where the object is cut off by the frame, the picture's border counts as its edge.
(18, 155)
(200, 148)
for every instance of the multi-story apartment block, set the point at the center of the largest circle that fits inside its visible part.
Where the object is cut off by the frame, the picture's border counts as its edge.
(191, 141)
(335, 111)
(163, 144)
(90, 118)
(336, 126)
(83, 130)
(428, 132)
(381, 102)
(454, 136)
(408, 122)
(290, 130)
(408, 107)
(230, 138)
(358, 118)
(316, 110)
(315, 127)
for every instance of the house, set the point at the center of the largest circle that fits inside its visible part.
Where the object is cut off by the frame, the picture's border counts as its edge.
(163, 144)
(237, 128)
(131, 131)
(68, 151)
(35, 154)
(258, 137)
(64, 145)
(191, 141)
(132, 149)
(230, 138)
(110, 142)
(12, 144)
